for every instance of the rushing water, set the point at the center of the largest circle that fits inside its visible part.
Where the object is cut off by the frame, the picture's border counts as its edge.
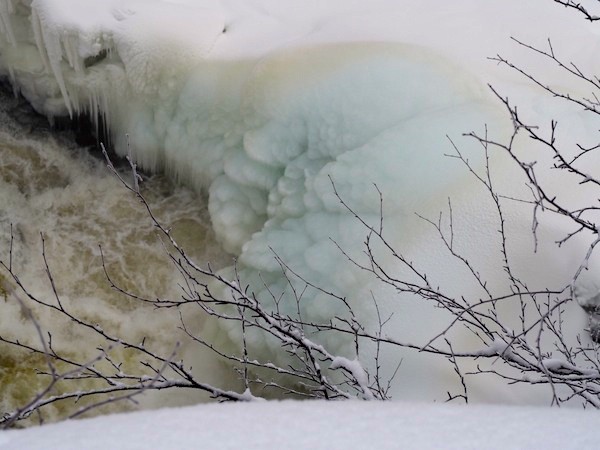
(50, 185)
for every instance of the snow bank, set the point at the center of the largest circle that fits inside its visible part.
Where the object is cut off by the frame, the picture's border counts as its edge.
(319, 425)
(263, 103)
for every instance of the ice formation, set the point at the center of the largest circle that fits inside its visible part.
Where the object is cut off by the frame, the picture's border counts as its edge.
(264, 104)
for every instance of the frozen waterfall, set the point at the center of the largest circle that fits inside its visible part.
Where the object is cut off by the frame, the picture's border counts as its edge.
(264, 106)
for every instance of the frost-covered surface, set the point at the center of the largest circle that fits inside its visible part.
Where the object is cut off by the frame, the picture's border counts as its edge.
(261, 102)
(320, 425)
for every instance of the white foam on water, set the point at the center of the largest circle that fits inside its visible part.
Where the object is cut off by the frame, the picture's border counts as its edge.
(48, 185)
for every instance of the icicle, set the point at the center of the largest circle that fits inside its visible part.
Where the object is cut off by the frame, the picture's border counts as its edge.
(6, 10)
(70, 45)
(36, 25)
(13, 81)
(57, 70)
(106, 115)
(49, 46)
(75, 102)
(94, 110)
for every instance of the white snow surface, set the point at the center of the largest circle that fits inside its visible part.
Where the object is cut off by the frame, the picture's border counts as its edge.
(320, 425)
(263, 102)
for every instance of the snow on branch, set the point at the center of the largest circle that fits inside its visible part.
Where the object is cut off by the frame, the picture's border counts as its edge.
(579, 7)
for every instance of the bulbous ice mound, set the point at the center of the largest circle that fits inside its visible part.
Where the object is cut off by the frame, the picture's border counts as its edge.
(270, 133)
(349, 116)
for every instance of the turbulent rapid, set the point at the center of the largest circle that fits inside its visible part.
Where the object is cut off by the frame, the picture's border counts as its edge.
(50, 185)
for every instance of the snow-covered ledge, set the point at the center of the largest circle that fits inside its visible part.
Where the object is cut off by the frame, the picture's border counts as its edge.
(320, 425)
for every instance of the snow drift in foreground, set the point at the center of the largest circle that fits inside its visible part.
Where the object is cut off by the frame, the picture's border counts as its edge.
(262, 104)
(320, 425)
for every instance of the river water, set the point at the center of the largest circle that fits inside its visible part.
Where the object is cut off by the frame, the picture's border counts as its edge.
(51, 185)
